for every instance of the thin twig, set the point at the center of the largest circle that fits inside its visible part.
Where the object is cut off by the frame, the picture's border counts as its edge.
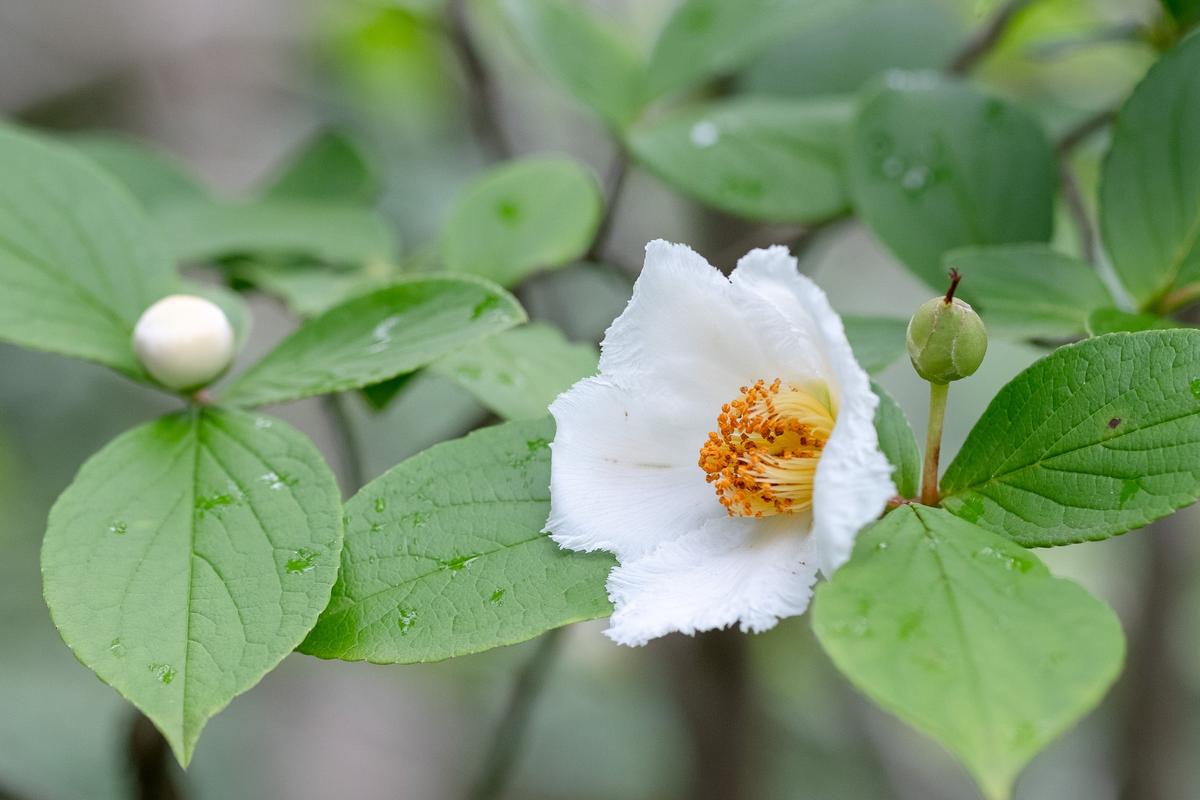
(1079, 212)
(349, 449)
(1150, 689)
(150, 762)
(979, 45)
(712, 682)
(481, 103)
(1070, 139)
(1078, 133)
(614, 185)
(509, 738)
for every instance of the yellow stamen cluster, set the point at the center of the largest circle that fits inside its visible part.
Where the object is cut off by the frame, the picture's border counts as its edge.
(762, 458)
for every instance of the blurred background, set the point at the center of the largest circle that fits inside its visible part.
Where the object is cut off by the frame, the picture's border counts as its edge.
(434, 92)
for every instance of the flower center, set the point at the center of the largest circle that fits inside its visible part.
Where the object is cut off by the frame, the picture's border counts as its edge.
(763, 457)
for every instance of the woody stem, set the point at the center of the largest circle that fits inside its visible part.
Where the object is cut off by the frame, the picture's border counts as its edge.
(938, 392)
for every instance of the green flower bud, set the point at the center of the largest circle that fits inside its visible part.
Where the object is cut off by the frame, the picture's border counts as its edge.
(946, 338)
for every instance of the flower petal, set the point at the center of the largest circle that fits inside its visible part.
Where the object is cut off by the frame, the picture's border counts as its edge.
(623, 472)
(684, 336)
(853, 481)
(749, 571)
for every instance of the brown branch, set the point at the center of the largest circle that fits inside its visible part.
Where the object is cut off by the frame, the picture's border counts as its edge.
(1067, 143)
(150, 762)
(979, 45)
(1079, 212)
(711, 677)
(614, 186)
(1078, 133)
(505, 749)
(482, 110)
(1152, 722)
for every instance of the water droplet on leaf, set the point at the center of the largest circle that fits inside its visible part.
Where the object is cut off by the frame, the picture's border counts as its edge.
(165, 673)
(304, 561)
(704, 133)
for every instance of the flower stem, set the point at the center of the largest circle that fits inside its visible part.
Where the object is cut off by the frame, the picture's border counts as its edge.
(350, 455)
(938, 392)
(505, 749)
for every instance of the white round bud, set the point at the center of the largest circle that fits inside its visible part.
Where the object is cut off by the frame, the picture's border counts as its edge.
(184, 341)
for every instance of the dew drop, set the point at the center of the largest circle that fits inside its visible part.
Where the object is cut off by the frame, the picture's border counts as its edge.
(305, 560)
(119, 527)
(165, 673)
(212, 502)
(1196, 388)
(273, 481)
(497, 597)
(915, 179)
(381, 335)
(458, 563)
(704, 133)
(380, 505)
(406, 620)
(417, 519)
(881, 546)
(117, 648)
(262, 423)
(376, 527)
(508, 211)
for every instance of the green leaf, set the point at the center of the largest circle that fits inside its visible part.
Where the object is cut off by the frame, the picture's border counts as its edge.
(78, 261)
(380, 395)
(841, 51)
(189, 557)
(704, 38)
(898, 443)
(593, 61)
(155, 179)
(1094, 440)
(934, 165)
(1150, 182)
(524, 216)
(329, 168)
(518, 373)
(1185, 12)
(445, 555)
(1029, 290)
(1113, 320)
(968, 638)
(377, 336)
(309, 289)
(876, 341)
(748, 156)
(333, 232)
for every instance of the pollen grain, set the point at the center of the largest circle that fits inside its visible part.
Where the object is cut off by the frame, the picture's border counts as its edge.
(762, 459)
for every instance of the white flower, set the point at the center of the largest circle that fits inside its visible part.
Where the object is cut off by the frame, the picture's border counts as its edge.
(725, 452)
